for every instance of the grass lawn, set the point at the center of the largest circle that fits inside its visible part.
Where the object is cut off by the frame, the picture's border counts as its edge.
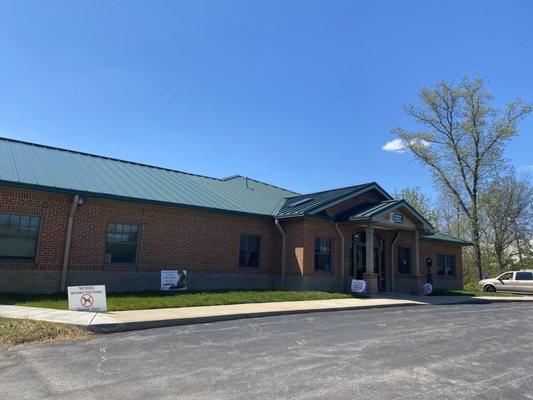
(18, 331)
(468, 292)
(148, 300)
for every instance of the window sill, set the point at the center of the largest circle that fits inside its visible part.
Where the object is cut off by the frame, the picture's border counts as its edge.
(324, 272)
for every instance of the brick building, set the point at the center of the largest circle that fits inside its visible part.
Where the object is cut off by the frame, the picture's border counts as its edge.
(70, 218)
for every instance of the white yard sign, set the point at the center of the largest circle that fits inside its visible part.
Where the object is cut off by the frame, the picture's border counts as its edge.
(175, 279)
(87, 298)
(427, 288)
(358, 286)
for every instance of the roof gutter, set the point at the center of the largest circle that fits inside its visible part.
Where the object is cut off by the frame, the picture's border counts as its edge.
(68, 241)
(342, 254)
(283, 252)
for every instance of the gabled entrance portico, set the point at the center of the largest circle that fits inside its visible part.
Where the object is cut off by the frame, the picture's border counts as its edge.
(386, 237)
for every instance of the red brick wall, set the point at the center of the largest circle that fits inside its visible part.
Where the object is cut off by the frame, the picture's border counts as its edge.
(295, 233)
(169, 236)
(54, 210)
(172, 237)
(431, 248)
(325, 230)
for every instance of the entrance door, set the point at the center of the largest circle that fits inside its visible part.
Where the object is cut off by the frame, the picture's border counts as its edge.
(358, 258)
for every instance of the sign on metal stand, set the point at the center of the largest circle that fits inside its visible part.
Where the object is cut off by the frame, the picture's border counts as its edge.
(87, 298)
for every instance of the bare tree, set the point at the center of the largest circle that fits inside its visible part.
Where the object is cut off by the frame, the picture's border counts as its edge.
(462, 142)
(507, 205)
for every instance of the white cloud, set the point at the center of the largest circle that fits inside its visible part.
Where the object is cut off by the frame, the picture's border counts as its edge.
(396, 145)
(525, 168)
(423, 142)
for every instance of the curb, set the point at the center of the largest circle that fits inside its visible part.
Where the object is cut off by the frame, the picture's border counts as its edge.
(163, 323)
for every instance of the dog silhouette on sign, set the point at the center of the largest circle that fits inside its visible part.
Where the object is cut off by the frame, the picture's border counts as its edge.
(86, 300)
(182, 281)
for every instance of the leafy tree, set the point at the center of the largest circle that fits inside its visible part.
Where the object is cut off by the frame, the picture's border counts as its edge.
(507, 206)
(461, 140)
(419, 200)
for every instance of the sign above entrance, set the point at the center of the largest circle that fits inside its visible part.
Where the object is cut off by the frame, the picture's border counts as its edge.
(396, 218)
(358, 286)
(87, 298)
(175, 279)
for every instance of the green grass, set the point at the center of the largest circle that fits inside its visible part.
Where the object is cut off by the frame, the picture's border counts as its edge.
(19, 331)
(468, 292)
(150, 300)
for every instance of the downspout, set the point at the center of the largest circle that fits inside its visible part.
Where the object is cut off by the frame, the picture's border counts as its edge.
(283, 252)
(392, 259)
(342, 255)
(67, 243)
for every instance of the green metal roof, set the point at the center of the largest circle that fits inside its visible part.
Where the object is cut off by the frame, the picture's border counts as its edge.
(48, 168)
(42, 167)
(366, 211)
(311, 203)
(441, 237)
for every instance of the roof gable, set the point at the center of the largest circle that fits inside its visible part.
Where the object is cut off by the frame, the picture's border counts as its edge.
(374, 211)
(314, 204)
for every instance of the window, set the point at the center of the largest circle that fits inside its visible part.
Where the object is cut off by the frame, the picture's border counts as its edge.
(524, 276)
(445, 265)
(249, 255)
(506, 277)
(358, 254)
(18, 237)
(323, 252)
(404, 260)
(121, 244)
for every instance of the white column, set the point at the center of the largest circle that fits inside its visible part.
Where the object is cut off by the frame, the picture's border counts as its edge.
(416, 263)
(369, 249)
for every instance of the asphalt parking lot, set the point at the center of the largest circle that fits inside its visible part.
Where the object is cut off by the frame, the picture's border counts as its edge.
(475, 351)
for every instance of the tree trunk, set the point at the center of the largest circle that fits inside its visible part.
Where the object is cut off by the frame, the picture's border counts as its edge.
(476, 235)
(499, 257)
(517, 240)
(476, 239)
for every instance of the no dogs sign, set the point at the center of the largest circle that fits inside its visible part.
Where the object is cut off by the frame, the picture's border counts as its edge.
(87, 298)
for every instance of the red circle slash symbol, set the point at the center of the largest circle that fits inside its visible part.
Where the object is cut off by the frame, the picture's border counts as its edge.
(86, 300)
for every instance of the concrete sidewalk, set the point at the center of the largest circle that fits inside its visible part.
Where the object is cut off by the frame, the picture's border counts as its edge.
(116, 321)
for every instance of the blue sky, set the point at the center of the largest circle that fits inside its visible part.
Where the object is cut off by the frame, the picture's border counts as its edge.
(301, 94)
